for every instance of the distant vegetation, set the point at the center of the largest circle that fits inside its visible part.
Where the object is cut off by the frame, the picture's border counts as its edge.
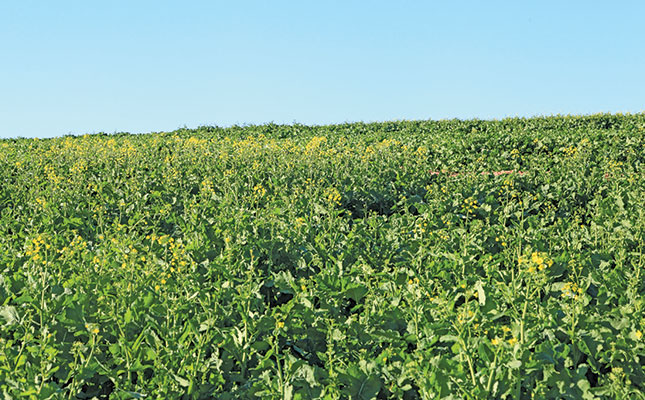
(422, 259)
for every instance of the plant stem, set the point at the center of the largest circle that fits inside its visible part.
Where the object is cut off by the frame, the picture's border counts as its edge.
(492, 372)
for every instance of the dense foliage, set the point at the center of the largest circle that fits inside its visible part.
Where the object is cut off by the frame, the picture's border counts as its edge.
(425, 259)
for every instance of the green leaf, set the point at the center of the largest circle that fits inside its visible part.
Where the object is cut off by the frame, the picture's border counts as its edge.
(127, 317)
(480, 292)
(147, 299)
(356, 292)
(485, 352)
(182, 381)
(135, 395)
(448, 338)
(368, 388)
(10, 315)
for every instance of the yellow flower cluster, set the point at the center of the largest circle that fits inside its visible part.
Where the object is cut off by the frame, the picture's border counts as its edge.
(333, 196)
(512, 340)
(465, 315)
(507, 186)
(571, 290)
(369, 150)
(207, 187)
(195, 142)
(178, 256)
(445, 219)
(413, 281)
(470, 204)
(538, 262)
(422, 226)
(570, 151)
(79, 167)
(78, 244)
(52, 176)
(92, 328)
(314, 144)
(35, 247)
(614, 166)
(422, 151)
(259, 190)
(385, 143)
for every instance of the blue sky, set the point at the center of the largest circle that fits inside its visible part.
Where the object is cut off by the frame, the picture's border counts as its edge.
(139, 66)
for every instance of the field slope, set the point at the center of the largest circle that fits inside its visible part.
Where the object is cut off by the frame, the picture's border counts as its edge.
(424, 259)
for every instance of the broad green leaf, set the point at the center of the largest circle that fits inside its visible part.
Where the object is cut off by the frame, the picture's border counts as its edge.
(9, 314)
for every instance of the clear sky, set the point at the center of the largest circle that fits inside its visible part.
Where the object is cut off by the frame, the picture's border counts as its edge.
(139, 66)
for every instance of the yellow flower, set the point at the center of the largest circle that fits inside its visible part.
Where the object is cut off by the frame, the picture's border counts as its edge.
(280, 324)
(494, 341)
(638, 334)
(512, 341)
(333, 196)
(571, 290)
(259, 190)
(92, 328)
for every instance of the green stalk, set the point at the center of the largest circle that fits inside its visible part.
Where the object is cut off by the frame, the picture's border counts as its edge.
(277, 359)
(492, 372)
(526, 304)
(472, 371)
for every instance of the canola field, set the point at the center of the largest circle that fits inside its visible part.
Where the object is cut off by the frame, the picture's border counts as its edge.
(397, 260)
